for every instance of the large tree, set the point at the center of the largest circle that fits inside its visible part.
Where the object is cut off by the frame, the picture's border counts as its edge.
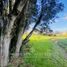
(15, 18)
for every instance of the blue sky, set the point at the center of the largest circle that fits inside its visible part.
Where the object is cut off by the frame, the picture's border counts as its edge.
(61, 22)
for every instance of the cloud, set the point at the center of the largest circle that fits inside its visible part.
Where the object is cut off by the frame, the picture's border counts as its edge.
(65, 18)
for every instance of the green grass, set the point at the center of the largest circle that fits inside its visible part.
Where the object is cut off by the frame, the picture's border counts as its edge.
(45, 53)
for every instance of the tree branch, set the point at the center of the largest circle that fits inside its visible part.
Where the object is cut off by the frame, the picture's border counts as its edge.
(19, 17)
(28, 36)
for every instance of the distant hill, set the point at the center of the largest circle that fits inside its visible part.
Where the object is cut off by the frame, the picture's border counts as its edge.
(61, 34)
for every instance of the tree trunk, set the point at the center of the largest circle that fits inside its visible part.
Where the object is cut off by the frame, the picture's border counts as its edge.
(28, 36)
(6, 43)
(7, 38)
(19, 43)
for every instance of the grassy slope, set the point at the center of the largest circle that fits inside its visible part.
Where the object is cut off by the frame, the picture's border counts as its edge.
(44, 52)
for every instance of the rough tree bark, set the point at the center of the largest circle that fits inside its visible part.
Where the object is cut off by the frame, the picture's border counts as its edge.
(21, 32)
(6, 38)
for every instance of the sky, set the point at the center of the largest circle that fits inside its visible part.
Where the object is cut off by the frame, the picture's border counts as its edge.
(60, 24)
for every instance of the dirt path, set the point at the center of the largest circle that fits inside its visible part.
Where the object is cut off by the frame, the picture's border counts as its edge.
(61, 46)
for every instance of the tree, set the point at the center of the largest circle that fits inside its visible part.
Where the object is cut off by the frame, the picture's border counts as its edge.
(16, 16)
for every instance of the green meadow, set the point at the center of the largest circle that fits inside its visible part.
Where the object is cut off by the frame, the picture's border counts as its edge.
(46, 51)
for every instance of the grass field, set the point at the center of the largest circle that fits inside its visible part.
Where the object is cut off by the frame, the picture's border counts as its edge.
(46, 51)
